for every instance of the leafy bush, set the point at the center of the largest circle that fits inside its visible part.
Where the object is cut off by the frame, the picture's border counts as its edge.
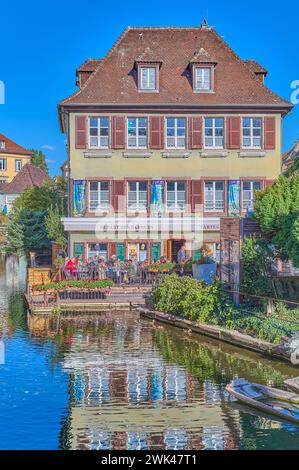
(162, 267)
(190, 299)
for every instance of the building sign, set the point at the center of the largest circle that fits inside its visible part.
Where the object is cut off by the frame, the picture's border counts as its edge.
(234, 198)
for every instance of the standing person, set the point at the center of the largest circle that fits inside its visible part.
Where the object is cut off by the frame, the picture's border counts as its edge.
(80, 267)
(102, 269)
(91, 268)
(182, 255)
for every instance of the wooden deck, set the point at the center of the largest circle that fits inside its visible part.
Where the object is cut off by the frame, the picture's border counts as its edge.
(121, 298)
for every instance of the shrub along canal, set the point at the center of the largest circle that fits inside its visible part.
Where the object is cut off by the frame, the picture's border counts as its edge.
(115, 380)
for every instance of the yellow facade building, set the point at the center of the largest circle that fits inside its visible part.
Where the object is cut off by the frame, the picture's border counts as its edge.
(171, 127)
(13, 158)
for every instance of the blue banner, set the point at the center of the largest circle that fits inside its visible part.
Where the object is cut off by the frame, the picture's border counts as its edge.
(234, 198)
(79, 197)
(157, 201)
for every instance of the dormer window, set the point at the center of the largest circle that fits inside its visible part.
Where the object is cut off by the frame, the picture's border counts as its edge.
(148, 78)
(202, 79)
(202, 66)
(2, 144)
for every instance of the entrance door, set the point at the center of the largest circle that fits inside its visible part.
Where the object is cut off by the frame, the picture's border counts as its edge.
(174, 248)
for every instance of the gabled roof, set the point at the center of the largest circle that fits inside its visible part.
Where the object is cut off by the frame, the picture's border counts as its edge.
(291, 155)
(113, 81)
(29, 176)
(13, 147)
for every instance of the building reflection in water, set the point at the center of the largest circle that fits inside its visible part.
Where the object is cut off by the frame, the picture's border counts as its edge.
(124, 395)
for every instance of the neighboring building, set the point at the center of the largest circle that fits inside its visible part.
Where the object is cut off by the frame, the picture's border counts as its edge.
(290, 156)
(12, 158)
(29, 176)
(65, 170)
(170, 122)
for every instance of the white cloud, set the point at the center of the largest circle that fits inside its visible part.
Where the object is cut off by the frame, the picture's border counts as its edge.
(50, 161)
(48, 147)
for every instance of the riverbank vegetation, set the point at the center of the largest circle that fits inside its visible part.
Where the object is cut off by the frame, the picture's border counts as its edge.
(211, 304)
(35, 219)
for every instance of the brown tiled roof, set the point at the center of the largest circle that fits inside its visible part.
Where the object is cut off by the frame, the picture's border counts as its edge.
(13, 147)
(113, 82)
(89, 65)
(202, 56)
(291, 155)
(148, 55)
(29, 175)
(255, 67)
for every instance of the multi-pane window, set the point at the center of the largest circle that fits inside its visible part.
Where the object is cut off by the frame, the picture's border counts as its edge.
(137, 195)
(176, 195)
(97, 249)
(148, 78)
(252, 132)
(248, 188)
(137, 132)
(2, 164)
(98, 195)
(214, 133)
(18, 165)
(203, 80)
(176, 132)
(2, 144)
(214, 196)
(99, 132)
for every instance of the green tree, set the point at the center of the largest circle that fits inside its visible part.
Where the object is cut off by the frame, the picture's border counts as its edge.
(277, 212)
(256, 267)
(26, 231)
(54, 227)
(35, 219)
(38, 158)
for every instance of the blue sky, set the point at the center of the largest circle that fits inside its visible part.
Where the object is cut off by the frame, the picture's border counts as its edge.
(43, 43)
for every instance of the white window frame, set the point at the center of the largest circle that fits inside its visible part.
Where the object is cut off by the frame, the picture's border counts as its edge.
(99, 127)
(251, 136)
(202, 89)
(2, 144)
(18, 165)
(4, 164)
(137, 127)
(101, 206)
(147, 86)
(176, 137)
(175, 207)
(250, 207)
(139, 206)
(214, 209)
(213, 136)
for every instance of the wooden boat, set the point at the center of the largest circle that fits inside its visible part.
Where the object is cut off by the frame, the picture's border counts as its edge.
(270, 400)
(293, 384)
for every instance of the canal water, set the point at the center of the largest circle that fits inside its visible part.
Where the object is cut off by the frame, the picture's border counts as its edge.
(118, 381)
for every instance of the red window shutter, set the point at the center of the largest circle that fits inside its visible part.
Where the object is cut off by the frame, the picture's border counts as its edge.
(195, 132)
(269, 133)
(119, 190)
(112, 249)
(233, 132)
(81, 137)
(118, 132)
(156, 132)
(196, 194)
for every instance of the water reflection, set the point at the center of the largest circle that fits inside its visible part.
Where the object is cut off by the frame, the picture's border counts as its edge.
(117, 381)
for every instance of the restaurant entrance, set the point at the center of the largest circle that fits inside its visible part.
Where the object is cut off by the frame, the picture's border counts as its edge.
(173, 247)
